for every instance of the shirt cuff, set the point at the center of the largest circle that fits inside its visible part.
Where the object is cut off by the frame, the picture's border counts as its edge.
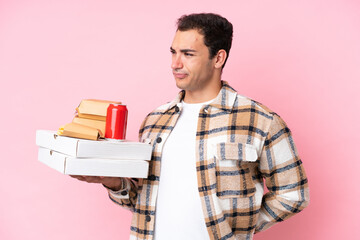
(123, 192)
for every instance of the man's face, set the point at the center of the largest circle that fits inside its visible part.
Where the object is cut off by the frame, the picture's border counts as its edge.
(191, 66)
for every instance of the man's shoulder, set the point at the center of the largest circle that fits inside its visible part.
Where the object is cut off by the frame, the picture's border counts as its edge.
(152, 116)
(239, 102)
(265, 115)
(247, 102)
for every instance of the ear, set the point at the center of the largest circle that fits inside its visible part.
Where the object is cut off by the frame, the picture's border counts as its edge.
(220, 58)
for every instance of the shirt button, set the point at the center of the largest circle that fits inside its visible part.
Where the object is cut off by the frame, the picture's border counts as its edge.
(124, 193)
(147, 218)
(158, 140)
(177, 109)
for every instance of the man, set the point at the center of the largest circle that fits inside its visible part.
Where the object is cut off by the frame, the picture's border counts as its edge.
(214, 147)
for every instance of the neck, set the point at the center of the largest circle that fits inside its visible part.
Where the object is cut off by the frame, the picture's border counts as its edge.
(203, 95)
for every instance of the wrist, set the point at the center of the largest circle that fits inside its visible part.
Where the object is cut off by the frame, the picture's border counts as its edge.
(116, 186)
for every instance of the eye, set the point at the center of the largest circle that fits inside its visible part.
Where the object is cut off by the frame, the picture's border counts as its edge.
(188, 54)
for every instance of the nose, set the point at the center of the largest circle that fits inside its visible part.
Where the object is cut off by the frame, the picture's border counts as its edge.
(176, 62)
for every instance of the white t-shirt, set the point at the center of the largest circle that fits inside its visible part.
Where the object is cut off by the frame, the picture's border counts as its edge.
(179, 212)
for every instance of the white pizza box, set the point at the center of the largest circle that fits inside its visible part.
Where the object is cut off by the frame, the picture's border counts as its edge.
(83, 148)
(93, 166)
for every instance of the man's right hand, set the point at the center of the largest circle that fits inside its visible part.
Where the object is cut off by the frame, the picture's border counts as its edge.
(114, 183)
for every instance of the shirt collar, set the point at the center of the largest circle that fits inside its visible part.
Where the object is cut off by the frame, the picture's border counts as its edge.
(224, 101)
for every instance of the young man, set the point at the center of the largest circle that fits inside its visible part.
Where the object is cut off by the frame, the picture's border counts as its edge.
(212, 148)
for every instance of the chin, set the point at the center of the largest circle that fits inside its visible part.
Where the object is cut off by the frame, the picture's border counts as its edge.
(181, 84)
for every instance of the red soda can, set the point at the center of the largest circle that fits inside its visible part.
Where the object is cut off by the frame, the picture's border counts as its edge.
(116, 120)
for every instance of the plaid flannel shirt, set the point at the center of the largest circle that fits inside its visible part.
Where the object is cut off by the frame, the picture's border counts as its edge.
(239, 142)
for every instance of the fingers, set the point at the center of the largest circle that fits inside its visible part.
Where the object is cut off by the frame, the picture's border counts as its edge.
(93, 179)
(89, 179)
(110, 182)
(78, 177)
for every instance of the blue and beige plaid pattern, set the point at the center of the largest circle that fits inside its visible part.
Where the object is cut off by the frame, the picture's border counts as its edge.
(239, 143)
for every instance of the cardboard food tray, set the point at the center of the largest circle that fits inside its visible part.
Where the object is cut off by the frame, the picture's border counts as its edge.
(100, 125)
(83, 148)
(93, 166)
(94, 109)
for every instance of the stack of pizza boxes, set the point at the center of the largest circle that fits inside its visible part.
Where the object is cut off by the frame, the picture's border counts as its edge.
(79, 147)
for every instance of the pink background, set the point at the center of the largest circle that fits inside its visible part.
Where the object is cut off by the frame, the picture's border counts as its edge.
(301, 59)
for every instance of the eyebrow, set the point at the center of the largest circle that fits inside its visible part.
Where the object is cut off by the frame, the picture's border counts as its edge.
(183, 50)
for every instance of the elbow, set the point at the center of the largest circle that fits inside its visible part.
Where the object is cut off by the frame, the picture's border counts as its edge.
(306, 201)
(296, 201)
(303, 201)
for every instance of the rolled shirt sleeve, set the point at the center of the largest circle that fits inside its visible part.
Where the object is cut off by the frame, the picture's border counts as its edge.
(126, 196)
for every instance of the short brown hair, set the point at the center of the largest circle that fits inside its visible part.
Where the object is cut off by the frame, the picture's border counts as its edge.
(217, 30)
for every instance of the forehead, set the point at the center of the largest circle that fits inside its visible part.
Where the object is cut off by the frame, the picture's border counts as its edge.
(190, 39)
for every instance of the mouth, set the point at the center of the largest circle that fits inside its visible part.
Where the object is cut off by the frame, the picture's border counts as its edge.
(180, 75)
